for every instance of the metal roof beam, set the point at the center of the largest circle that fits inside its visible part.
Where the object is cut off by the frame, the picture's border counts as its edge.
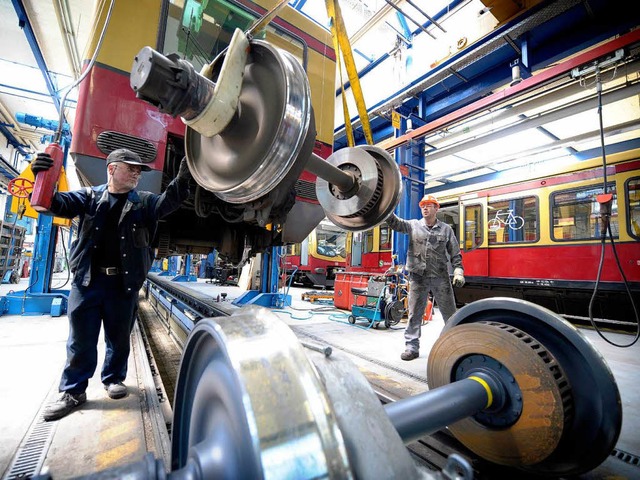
(536, 121)
(69, 38)
(419, 25)
(25, 24)
(11, 137)
(556, 145)
(512, 93)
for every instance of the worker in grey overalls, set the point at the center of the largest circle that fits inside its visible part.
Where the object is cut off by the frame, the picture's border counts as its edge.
(432, 245)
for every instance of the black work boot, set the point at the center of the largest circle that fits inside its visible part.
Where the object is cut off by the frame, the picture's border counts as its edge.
(409, 355)
(116, 390)
(64, 405)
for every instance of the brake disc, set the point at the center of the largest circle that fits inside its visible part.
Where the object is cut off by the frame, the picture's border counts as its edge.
(589, 425)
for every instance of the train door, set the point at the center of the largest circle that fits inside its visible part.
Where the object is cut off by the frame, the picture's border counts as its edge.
(450, 214)
(304, 252)
(356, 249)
(473, 238)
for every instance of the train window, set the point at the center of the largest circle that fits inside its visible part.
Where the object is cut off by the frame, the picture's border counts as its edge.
(367, 241)
(331, 240)
(632, 188)
(449, 215)
(385, 238)
(199, 32)
(513, 220)
(292, 249)
(472, 226)
(576, 213)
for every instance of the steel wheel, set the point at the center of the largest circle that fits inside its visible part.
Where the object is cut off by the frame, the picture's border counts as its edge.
(589, 435)
(269, 139)
(246, 393)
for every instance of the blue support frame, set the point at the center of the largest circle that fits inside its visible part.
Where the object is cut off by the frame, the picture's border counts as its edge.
(570, 32)
(186, 277)
(268, 295)
(38, 298)
(172, 267)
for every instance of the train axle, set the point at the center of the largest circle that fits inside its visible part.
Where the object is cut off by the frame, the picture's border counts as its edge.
(507, 377)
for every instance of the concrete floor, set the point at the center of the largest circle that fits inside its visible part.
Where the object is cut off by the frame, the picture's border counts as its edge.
(105, 432)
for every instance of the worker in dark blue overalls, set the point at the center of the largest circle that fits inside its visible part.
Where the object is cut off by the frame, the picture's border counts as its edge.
(110, 260)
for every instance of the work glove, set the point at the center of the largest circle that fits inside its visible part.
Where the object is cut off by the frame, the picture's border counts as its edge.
(458, 277)
(42, 163)
(184, 174)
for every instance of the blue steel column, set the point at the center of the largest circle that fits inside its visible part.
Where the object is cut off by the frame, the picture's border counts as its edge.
(43, 255)
(409, 156)
(268, 295)
(45, 247)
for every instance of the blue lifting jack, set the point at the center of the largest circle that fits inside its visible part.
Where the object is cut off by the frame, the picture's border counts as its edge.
(38, 297)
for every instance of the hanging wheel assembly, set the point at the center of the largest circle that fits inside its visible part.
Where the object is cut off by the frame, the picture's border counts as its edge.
(268, 138)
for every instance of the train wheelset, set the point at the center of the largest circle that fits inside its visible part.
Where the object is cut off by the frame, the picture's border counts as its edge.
(512, 381)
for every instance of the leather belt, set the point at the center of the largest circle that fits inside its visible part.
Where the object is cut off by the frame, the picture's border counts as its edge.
(109, 271)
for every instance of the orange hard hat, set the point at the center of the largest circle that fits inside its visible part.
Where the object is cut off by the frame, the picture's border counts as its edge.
(429, 199)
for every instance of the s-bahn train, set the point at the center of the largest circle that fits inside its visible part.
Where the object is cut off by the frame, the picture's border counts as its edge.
(540, 239)
(109, 116)
(315, 261)
(370, 251)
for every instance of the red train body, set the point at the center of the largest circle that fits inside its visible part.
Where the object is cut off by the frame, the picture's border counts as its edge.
(109, 116)
(315, 261)
(552, 257)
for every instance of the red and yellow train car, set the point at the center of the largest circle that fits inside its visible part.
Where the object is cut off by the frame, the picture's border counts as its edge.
(370, 251)
(109, 116)
(316, 260)
(540, 239)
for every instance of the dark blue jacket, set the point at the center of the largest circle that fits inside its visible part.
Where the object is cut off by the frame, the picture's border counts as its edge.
(136, 228)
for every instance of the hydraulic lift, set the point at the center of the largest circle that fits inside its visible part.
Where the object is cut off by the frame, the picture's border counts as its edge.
(39, 297)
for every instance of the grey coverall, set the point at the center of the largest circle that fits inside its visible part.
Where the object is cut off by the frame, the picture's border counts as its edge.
(430, 250)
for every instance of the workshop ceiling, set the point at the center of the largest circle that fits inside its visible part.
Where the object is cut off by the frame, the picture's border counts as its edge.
(60, 30)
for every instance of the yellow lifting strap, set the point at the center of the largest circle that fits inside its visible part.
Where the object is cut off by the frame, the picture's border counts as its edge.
(345, 108)
(341, 44)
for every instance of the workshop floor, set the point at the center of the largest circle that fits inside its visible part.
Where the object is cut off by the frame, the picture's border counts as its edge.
(107, 432)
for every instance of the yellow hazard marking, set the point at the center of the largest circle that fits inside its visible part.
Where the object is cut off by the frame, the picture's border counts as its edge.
(486, 387)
